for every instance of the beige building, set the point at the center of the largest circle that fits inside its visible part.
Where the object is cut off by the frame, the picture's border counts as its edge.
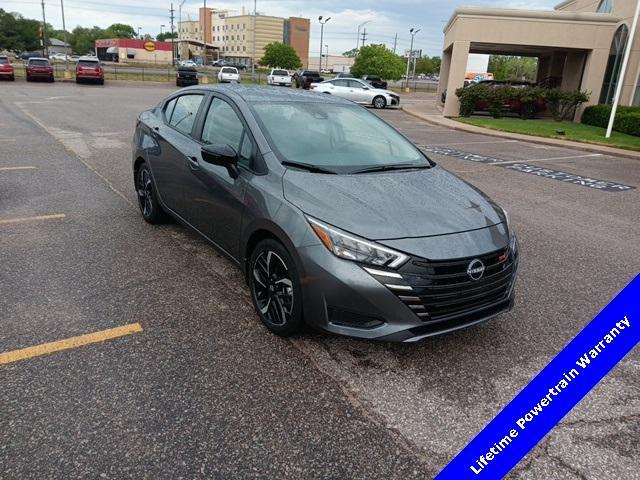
(580, 44)
(223, 34)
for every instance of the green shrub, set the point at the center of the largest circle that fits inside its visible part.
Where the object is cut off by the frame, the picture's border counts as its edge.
(467, 101)
(563, 104)
(627, 118)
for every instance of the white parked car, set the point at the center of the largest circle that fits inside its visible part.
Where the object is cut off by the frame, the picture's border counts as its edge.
(357, 91)
(279, 77)
(228, 74)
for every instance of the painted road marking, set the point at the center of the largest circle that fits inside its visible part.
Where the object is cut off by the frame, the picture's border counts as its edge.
(32, 219)
(550, 159)
(73, 342)
(469, 143)
(11, 169)
(7, 139)
(524, 167)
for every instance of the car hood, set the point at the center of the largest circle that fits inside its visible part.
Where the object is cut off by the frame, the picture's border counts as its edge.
(401, 204)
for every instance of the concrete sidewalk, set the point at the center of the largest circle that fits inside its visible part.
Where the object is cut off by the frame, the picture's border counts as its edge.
(429, 112)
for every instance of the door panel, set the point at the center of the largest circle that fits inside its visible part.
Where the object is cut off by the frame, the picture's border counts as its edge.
(217, 197)
(171, 167)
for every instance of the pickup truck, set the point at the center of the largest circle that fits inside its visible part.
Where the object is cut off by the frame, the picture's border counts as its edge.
(305, 78)
(375, 81)
(279, 77)
(186, 76)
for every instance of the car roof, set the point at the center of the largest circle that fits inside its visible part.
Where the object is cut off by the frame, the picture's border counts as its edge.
(38, 58)
(254, 94)
(88, 59)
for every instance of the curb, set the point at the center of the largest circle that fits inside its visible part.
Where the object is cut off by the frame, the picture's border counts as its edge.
(586, 147)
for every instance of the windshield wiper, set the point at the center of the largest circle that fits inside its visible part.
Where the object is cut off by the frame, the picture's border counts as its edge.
(396, 166)
(308, 167)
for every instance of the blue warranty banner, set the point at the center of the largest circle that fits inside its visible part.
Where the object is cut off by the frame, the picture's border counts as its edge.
(553, 393)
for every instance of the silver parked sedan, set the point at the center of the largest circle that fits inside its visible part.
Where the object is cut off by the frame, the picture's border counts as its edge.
(357, 91)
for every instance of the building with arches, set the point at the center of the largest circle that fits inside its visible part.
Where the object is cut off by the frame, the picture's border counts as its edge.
(579, 44)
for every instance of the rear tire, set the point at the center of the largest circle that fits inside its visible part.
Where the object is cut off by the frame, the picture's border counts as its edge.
(51, 79)
(148, 202)
(101, 81)
(28, 78)
(379, 102)
(275, 288)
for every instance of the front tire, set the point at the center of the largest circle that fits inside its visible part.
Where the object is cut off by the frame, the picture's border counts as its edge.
(147, 197)
(379, 102)
(275, 288)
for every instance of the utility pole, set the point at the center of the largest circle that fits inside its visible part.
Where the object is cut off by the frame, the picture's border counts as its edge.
(45, 42)
(623, 71)
(173, 40)
(395, 43)
(321, 38)
(204, 35)
(364, 36)
(180, 29)
(326, 61)
(255, 34)
(413, 33)
(358, 37)
(64, 30)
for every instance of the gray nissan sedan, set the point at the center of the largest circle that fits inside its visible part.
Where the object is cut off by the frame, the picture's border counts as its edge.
(337, 220)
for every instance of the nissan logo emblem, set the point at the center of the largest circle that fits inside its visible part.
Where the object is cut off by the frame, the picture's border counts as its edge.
(475, 270)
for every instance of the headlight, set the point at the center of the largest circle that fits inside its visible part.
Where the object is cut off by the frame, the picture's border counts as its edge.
(507, 220)
(349, 247)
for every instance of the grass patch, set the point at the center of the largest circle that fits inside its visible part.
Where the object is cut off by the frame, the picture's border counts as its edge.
(576, 132)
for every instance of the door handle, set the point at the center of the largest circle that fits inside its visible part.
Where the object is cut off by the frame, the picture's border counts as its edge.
(193, 163)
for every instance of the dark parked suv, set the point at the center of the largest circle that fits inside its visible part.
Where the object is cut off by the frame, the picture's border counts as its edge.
(305, 78)
(337, 220)
(375, 81)
(186, 76)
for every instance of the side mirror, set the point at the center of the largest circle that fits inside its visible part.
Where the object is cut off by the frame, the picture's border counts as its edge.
(222, 155)
(365, 88)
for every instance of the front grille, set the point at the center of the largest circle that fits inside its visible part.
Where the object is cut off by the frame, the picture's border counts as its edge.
(440, 290)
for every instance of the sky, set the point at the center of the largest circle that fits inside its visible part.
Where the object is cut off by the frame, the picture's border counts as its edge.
(386, 17)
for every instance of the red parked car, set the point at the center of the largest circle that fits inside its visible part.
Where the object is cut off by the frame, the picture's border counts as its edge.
(6, 69)
(89, 69)
(39, 68)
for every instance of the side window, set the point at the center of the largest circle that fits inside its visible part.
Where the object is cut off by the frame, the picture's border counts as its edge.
(223, 127)
(184, 113)
(168, 109)
(340, 83)
(355, 84)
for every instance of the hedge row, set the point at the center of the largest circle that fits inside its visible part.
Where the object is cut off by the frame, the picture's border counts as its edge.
(627, 118)
(562, 104)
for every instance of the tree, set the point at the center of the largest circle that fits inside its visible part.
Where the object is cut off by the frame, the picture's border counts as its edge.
(120, 30)
(18, 33)
(351, 53)
(506, 67)
(164, 36)
(279, 55)
(428, 65)
(378, 60)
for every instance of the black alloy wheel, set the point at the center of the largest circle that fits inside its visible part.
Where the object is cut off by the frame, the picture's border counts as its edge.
(275, 288)
(147, 201)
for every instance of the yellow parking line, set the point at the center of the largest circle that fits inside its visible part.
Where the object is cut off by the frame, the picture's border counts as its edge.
(9, 169)
(73, 342)
(32, 219)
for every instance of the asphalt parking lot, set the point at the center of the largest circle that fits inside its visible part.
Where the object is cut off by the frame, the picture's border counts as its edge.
(204, 391)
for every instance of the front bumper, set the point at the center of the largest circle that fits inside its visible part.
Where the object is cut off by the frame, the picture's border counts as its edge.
(343, 298)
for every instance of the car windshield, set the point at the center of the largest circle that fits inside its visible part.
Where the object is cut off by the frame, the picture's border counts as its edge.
(4, 60)
(336, 137)
(87, 63)
(280, 72)
(372, 77)
(229, 70)
(39, 63)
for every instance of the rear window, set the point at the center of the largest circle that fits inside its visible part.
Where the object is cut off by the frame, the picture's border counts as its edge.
(229, 70)
(372, 77)
(281, 72)
(4, 60)
(39, 63)
(88, 63)
(309, 73)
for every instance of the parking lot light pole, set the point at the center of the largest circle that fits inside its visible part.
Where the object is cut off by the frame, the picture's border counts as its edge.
(66, 44)
(412, 32)
(326, 61)
(161, 28)
(253, 53)
(623, 71)
(321, 38)
(139, 28)
(180, 29)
